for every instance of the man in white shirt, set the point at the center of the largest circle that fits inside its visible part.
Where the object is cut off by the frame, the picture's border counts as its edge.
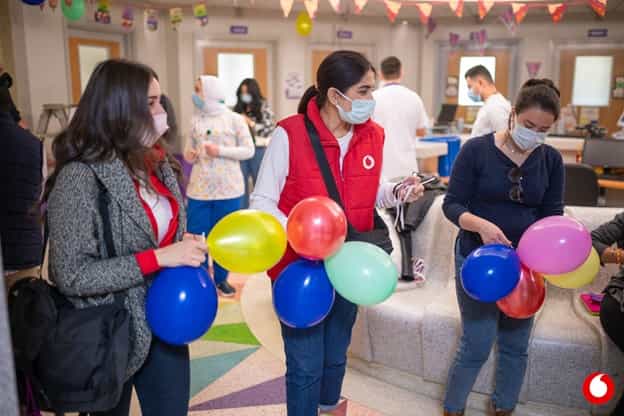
(494, 115)
(401, 112)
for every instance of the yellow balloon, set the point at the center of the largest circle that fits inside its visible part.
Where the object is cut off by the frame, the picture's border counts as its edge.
(247, 242)
(304, 24)
(582, 276)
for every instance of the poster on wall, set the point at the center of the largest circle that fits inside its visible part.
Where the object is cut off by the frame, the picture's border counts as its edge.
(294, 86)
(618, 91)
(451, 86)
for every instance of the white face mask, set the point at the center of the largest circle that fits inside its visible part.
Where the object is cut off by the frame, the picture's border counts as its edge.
(160, 126)
(361, 110)
(527, 139)
(246, 98)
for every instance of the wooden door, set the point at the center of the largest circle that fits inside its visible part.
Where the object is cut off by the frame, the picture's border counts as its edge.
(567, 60)
(501, 78)
(260, 64)
(84, 55)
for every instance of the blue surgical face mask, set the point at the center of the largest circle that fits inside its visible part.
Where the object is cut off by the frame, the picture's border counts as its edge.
(246, 98)
(527, 139)
(474, 96)
(361, 110)
(197, 100)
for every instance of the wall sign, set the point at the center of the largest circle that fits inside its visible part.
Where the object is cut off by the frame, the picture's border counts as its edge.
(344, 34)
(239, 30)
(597, 33)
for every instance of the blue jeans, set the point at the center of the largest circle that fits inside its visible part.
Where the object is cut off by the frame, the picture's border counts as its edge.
(162, 384)
(203, 216)
(316, 360)
(250, 168)
(482, 325)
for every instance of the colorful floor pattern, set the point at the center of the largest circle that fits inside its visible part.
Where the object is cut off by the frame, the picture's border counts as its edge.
(232, 374)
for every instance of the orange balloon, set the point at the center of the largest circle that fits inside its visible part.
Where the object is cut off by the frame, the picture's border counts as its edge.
(527, 298)
(316, 228)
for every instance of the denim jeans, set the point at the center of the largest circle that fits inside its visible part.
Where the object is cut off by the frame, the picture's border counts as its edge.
(250, 169)
(316, 360)
(482, 325)
(162, 384)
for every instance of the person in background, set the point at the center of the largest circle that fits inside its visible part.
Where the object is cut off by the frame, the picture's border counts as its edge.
(21, 175)
(114, 142)
(7, 81)
(171, 135)
(608, 240)
(401, 112)
(494, 114)
(339, 108)
(220, 140)
(261, 121)
(501, 184)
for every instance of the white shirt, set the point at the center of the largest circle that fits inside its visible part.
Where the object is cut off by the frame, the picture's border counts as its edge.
(400, 111)
(274, 170)
(492, 117)
(161, 209)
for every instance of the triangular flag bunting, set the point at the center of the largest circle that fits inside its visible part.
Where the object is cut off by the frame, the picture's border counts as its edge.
(392, 9)
(520, 11)
(599, 6)
(457, 6)
(286, 6)
(424, 10)
(453, 39)
(312, 7)
(359, 5)
(508, 19)
(484, 7)
(556, 11)
(431, 27)
(335, 5)
(533, 68)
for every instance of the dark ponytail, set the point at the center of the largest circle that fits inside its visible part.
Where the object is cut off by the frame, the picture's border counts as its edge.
(541, 93)
(340, 70)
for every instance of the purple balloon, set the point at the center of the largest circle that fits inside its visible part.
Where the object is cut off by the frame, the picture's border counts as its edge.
(555, 245)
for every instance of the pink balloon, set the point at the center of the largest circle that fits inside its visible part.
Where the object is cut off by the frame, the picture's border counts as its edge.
(527, 298)
(555, 245)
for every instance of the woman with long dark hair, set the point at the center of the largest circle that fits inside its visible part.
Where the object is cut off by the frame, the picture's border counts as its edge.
(113, 144)
(339, 108)
(501, 184)
(261, 121)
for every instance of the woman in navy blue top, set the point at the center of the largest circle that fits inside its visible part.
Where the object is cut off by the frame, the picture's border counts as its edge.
(501, 184)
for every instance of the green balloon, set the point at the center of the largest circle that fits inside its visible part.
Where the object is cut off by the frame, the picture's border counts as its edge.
(362, 273)
(75, 11)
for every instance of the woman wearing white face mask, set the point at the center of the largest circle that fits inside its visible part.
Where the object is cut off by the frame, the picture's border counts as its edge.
(339, 109)
(501, 184)
(220, 140)
(261, 121)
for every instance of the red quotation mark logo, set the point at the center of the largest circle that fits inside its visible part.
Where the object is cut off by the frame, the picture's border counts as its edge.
(598, 388)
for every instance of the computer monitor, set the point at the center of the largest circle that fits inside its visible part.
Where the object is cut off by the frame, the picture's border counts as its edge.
(446, 115)
(608, 153)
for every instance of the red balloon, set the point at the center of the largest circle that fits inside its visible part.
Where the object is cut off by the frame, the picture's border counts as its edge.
(317, 228)
(527, 298)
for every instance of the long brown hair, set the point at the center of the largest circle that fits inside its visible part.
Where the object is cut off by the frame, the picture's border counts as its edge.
(111, 119)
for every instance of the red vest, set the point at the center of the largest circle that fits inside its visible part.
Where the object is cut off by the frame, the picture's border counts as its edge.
(357, 184)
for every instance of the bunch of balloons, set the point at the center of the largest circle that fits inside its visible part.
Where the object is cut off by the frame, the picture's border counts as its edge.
(362, 273)
(557, 249)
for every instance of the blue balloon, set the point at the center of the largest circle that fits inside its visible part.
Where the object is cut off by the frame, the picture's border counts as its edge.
(181, 304)
(33, 2)
(491, 272)
(303, 294)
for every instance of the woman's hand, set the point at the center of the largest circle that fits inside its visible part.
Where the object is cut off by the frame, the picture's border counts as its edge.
(491, 234)
(191, 251)
(410, 190)
(212, 149)
(190, 155)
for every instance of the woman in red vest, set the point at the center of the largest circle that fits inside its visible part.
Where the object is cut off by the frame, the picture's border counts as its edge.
(339, 107)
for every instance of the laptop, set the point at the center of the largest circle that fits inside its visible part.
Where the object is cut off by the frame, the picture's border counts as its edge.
(446, 115)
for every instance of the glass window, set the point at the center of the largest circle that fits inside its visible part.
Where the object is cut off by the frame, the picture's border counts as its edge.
(592, 81)
(467, 62)
(89, 57)
(233, 68)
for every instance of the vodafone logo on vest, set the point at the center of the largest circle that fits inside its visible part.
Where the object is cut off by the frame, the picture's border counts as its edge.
(368, 162)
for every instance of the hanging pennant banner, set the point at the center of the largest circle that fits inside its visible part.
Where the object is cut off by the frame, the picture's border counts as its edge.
(556, 11)
(151, 20)
(392, 9)
(335, 4)
(457, 6)
(359, 5)
(201, 14)
(533, 68)
(102, 12)
(127, 18)
(431, 27)
(509, 20)
(53, 4)
(520, 11)
(454, 39)
(176, 16)
(599, 7)
(424, 10)
(312, 7)
(286, 6)
(484, 7)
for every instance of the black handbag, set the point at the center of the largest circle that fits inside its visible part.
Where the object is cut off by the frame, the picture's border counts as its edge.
(69, 359)
(379, 235)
